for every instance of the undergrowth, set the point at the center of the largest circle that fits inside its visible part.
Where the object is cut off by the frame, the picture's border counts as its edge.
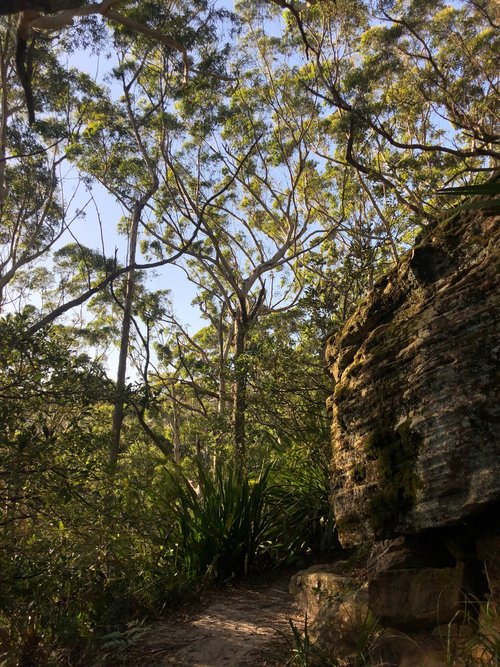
(78, 582)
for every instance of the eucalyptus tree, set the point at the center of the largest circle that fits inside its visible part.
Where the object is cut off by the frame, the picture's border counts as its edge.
(35, 203)
(121, 142)
(367, 228)
(248, 258)
(410, 92)
(288, 387)
(185, 380)
(139, 18)
(407, 96)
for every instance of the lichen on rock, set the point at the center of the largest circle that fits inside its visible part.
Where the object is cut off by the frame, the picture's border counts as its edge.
(415, 408)
(396, 451)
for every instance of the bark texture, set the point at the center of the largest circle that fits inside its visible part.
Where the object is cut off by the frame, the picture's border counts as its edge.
(240, 391)
(46, 6)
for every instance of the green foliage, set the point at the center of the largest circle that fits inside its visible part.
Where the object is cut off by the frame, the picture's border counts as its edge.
(225, 526)
(478, 190)
(233, 523)
(78, 555)
(82, 554)
(301, 492)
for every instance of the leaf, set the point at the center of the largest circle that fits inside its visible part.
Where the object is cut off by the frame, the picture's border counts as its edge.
(479, 189)
(491, 189)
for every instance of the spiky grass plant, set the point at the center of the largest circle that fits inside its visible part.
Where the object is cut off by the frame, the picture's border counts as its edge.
(482, 648)
(304, 652)
(225, 524)
(301, 497)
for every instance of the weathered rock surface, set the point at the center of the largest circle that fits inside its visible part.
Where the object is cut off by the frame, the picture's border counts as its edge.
(336, 608)
(344, 629)
(415, 585)
(416, 409)
(416, 454)
(315, 587)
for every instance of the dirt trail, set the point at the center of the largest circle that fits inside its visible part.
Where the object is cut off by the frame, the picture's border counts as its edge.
(236, 627)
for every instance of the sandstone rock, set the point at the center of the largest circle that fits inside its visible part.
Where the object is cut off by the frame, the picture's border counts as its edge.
(417, 597)
(345, 629)
(414, 582)
(454, 633)
(409, 552)
(315, 587)
(397, 649)
(339, 623)
(416, 411)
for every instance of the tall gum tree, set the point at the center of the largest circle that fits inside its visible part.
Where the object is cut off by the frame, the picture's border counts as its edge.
(253, 237)
(35, 202)
(122, 143)
(410, 92)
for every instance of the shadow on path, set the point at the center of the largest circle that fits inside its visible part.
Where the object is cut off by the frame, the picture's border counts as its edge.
(237, 627)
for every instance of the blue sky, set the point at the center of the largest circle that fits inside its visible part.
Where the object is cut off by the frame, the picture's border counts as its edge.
(102, 214)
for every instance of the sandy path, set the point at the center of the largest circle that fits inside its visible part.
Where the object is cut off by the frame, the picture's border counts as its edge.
(235, 627)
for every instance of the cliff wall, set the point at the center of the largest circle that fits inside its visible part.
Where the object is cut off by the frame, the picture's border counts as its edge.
(416, 409)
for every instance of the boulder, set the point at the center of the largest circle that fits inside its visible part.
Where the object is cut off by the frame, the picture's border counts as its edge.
(345, 629)
(416, 452)
(315, 587)
(416, 409)
(415, 583)
(339, 623)
(417, 598)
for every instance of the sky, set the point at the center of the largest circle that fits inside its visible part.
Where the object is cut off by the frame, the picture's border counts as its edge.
(102, 214)
(105, 207)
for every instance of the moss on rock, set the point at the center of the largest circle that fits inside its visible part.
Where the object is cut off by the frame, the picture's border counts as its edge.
(396, 452)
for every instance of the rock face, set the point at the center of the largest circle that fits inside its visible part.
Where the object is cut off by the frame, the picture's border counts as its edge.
(416, 460)
(416, 409)
(317, 585)
(345, 631)
(414, 585)
(336, 609)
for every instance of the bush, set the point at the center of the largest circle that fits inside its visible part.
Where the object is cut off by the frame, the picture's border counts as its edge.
(301, 494)
(235, 523)
(224, 527)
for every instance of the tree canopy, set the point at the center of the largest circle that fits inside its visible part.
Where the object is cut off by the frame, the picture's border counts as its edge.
(278, 157)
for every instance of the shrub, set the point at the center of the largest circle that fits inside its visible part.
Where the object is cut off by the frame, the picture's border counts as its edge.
(225, 526)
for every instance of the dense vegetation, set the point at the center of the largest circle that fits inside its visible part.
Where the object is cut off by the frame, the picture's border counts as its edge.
(282, 159)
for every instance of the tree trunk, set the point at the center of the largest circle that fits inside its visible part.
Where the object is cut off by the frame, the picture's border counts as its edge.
(224, 349)
(176, 429)
(225, 343)
(45, 6)
(119, 408)
(240, 392)
(221, 400)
